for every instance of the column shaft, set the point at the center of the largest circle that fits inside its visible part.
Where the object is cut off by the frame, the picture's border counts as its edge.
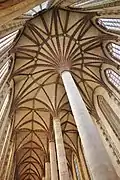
(47, 171)
(61, 156)
(96, 156)
(53, 162)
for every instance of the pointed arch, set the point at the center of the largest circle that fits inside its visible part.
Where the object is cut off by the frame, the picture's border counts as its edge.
(6, 41)
(113, 78)
(109, 24)
(91, 4)
(110, 76)
(114, 50)
(107, 121)
(110, 115)
(37, 9)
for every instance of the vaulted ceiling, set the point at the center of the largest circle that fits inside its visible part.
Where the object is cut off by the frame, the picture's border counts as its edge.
(54, 40)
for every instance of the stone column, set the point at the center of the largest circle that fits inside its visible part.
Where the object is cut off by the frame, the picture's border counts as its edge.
(96, 156)
(53, 162)
(61, 156)
(10, 161)
(4, 141)
(47, 171)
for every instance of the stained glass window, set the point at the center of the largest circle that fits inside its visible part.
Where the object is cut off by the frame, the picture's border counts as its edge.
(113, 78)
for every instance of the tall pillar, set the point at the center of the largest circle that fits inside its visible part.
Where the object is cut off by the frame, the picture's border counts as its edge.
(61, 156)
(47, 171)
(96, 156)
(53, 162)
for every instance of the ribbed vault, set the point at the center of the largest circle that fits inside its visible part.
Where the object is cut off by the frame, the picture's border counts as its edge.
(54, 41)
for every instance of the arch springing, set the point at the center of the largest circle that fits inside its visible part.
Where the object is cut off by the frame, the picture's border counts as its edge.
(113, 78)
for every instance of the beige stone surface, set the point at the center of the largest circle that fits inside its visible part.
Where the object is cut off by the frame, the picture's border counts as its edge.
(61, 156)
(53, 162)
(96, 156)
(47, 171)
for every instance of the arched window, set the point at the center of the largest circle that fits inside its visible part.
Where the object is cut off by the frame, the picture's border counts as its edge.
(113, 78)
(114, 50)
(37, 9)
(90, 3)
(4, 70)
(4, 106)
(7, 40)
(76, 166)
(110, 115)
(111, 24)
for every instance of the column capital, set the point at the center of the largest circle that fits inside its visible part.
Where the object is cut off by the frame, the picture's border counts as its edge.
(47, 161)
(51, 140)
(63, 70)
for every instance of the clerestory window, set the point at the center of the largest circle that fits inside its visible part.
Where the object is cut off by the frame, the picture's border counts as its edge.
(91, 3)
(4, 70)
(76, 166)
(111, 24)
(7, 40)
(4, 106)
(110, 115)
(113, 78)
(114, 50)
(37, 8)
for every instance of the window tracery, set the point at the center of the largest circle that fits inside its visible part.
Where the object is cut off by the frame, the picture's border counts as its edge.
(4, 106)
(91, 3)
(110, 115)
(113, 78)
(111, 24)
(3, 70)
(76, 166)
(37, 8)
(7, 40)
(114, 50)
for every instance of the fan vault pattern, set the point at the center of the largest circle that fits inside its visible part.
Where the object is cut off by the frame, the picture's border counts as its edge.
(56, 40)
